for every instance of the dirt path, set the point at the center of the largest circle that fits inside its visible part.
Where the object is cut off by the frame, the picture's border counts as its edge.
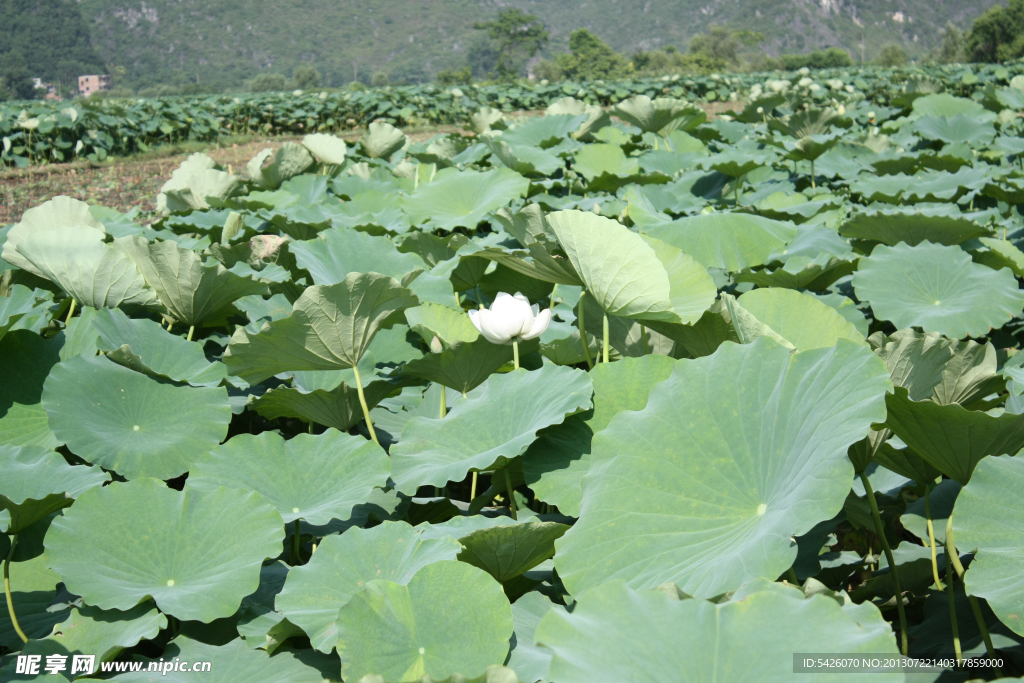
(125, 182)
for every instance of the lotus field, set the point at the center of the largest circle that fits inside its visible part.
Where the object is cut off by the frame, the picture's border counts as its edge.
(52, 132)
(597, 396)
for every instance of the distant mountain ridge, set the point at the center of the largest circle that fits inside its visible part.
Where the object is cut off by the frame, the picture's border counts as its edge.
(176, 41)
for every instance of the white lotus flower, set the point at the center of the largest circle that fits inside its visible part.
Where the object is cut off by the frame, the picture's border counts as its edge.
(510, 319)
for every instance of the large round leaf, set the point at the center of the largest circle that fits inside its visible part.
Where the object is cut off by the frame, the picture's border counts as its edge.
(493, 425)
(463, 198)
(730, 241)
(655, 116)
(59, 212)
(510, 550)
(315, 478)
(555, 463)
(799, 318)
(734, 455)
(130, 423)
(190, 290)
(37, 482)
(619, 634)
(913, 225)
(620, 270)
(106, 633)
(343, 565)
(25, 362)
(989, 519)
(329, 329)
(196, 553)
(90, 271)
(335, 253)
(450, 618)
(327, 148)
(951, 438)
(937, 288)
(144, 346)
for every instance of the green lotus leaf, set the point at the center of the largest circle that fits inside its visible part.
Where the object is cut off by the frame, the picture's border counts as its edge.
(661, 115)
(602, 159)
(25, 362)
(372, 210)
(736, 162)
(731, 241)
(944, 104)
(510, 550)
(801, 272)
(233, 662)
(105, 633)
(38, 482)
(614, 631)
(196, 553)
(330, 328)
(799, 318)
(450, 618)
(998, 254)
(327, 148)
(620, 270)
(191, 291)
(335, 253)
(745, 327)
(315, 478)
(691, 289)
(288, 161)
(987, 519)
(488, 428)
(951, 438)
(20, 302)
(91, 272)
(130, 423)
(338, 407)
(80, 337)
(530, 661)
(463, 198)
(60, 213)
(449, 325)
(913, 225)
(598, 117)
(733, 455)
(343, 565)
(937, 288)
(464, 366)
(528, 161)
(554, 465)
(33, 588)
(544, 131)
(382, 140)
(194, 183)
(144, 346)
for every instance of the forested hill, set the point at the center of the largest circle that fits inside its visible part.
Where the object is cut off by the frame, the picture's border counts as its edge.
(179, 41)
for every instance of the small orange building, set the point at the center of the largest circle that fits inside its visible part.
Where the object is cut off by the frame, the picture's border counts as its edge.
(87, 85)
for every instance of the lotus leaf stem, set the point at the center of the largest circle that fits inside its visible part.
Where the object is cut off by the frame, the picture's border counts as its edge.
(444, 408)
(583, 331)
(880, 530)
(362, 403)
(643, 338)
(813, 187)
(952, 556)
(952, 613)
(792, 577)
(511, 495)
(472, 487)
(71, 311)
(515, 354)
(605, 326)
(296, 544)
(7, 587)
(191, 329)
(931, 535)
